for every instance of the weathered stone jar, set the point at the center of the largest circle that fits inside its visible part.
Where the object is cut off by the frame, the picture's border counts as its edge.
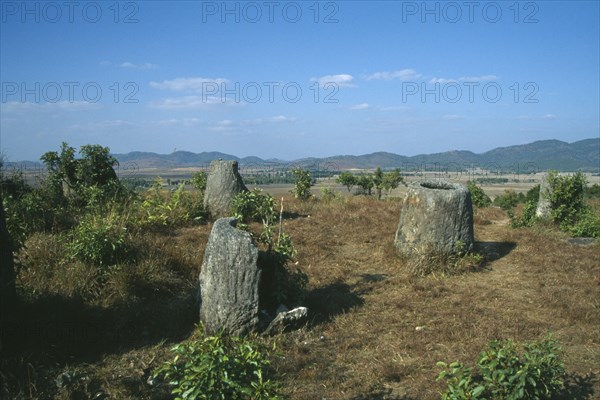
(437, 215)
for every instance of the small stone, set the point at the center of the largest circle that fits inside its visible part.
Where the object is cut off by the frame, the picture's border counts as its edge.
(293, 319)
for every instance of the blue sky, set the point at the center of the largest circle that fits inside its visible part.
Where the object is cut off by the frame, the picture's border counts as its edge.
(292, 79)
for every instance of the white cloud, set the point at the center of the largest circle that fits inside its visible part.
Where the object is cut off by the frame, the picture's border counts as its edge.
(179, 122)
(537, 117)
(128, 64)
(340, 80)
(361, 106)
(483, 78)
(395, 108)
(453, 117)
(191, 102)
(189, 84)
(402, 74)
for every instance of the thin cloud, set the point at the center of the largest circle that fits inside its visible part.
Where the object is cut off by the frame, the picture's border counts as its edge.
(402, 74)
(483, 78)
(196, 84)
(453, 117)
(361, 106)
(537, 117)
(190, 102)
(131, 65)
(340, 80)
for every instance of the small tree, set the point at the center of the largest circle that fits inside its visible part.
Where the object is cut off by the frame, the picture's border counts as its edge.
(366, 183)
(199, 181)
(378, 182)
(347, 179)
(302, 183)
(392, 179)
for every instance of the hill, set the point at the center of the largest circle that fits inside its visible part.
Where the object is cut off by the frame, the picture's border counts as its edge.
(541, 155)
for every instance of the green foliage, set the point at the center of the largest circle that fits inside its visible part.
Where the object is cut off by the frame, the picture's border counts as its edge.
(533, 194)
(478, 196)
(170, 208)
(347, 179)
(503, 373)
(219, 368)
(588, 225)
(68, 176)
(254, 206)
(508, 200)
(328, 195)
(281, 283)
(566, 198)
(365, 182)
(392, 179)
(99, 240)
(302, 183)
(199, 181)
(527, 217)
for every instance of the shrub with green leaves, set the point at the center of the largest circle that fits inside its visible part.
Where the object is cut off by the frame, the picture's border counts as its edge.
(302, 183)
(566, 198)
(508, 200)
(283, 285)
(502, 372)
(478, 196)
(99, 240)
(219, 367)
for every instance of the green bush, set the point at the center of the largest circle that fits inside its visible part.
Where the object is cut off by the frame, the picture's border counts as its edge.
(527, 217)
(219, 367)
(533, 194)
(503, 373)
(566, 198)
(588, 225)
(592, 192)
(478, 196)
(99, 240)
(302, 183)
(508, 200)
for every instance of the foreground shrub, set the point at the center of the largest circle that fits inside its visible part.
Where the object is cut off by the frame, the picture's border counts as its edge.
(503, 373)
(219, 367)
(302, 183)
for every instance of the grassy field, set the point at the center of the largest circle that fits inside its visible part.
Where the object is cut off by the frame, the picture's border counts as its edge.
(375, 331)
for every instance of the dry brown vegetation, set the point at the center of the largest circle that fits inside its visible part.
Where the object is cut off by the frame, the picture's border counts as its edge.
(376, 332)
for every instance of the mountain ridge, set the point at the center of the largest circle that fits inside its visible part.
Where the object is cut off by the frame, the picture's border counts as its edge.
(543, 154)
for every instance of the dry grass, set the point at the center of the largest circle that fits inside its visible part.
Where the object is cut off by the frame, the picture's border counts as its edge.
(376, 331)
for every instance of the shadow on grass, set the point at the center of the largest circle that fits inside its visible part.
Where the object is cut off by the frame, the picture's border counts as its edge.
(71, 328)
(492, 251)
(328, 301)
(578, 387)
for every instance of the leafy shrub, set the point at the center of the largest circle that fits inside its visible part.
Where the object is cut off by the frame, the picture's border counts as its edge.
(588, 225)
(327, 195)
(592, 192)
(164, 208)
(478, 196)
(566, 198)
(99, 240)
(219, 367)
(280, 283)
(527, 217)
(507, 201)
(302, 183)
(533, 194)
(503, 373)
